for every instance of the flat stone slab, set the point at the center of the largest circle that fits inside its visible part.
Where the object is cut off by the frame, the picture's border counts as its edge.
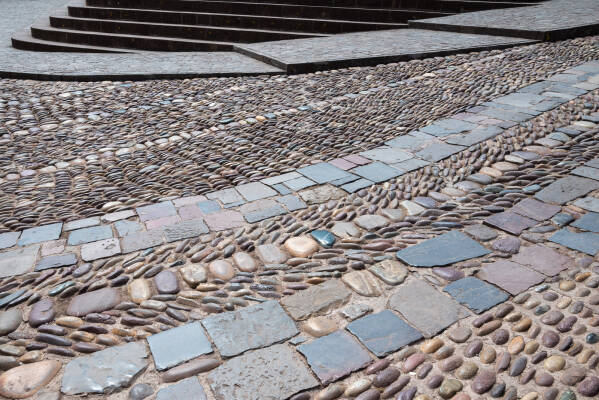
(588, 203)
(105, 371)
(18, 262)
(177, 345)
(543, 259)
(586, 172)
(189, 388)
(383, 333)
(510, 222)
(142, 240)
(535, 209)
(100, 249)
(567, 189)
(91, 234)
(475, 294)
(426, 308)
(251, 327)
(8, 239)
(376, 172)
(316, 299)
(59, 260)
(184, 230)
(586, 242)
(511, 277)
(445, 249)
(588, 222)
(323, 173)
(40, 234)
(334, 356)
(275, 372)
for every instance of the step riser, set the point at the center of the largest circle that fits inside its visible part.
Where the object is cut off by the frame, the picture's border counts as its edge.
(185, 32)
(139, 43)
(54, 47)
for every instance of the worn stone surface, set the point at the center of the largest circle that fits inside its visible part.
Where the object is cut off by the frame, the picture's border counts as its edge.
(363, 283)
(60, 260)
(390, 271)
(566, 189)
(101, 249)
(475, 294)
(18, 262)
(40, 234)
(586, 242)
(510, 222)
(189, 388)
(509, 276)
(316, 299)
(543, 259)
(24, 381)
(177, 345)
(93, 302)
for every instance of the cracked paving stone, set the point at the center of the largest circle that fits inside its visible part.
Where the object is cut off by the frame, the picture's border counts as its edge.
(475, 294)
(177, 345)
(543, 259)
(509, 276)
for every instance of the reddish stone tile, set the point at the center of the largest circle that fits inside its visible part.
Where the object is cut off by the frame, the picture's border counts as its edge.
(535, 209)
(190, 212)
(357, 159)
(343, 164)
(223, 220)
(543, 259)
(511, 277)
(510, 222)
(160, 222)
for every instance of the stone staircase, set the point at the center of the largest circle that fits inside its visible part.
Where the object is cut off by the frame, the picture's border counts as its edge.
(217, 25)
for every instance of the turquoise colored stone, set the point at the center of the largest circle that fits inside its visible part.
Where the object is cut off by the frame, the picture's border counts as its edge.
(60, 288)
(324, 238)
(531, 189)
(568, 395)
(562, 219)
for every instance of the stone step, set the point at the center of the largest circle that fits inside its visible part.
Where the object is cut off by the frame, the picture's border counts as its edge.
(23, 40)
(124, 41)
(478, 5)
(252, 14)
(195, 32)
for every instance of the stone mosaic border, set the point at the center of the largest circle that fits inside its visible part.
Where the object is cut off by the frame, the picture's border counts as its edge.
(123, 231)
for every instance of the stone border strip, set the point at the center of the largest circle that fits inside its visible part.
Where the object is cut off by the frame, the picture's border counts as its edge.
(123, 231)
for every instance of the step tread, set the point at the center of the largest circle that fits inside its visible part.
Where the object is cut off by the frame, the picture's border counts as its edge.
(25, 37)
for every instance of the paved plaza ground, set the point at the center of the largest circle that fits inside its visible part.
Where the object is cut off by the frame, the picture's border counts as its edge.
(415, 230)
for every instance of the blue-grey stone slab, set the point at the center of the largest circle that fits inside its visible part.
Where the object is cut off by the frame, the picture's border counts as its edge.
(189, 388)
(456, 125)
(410, 165)
(436, 130)
(18, 261)
(377, 172)
(356, 185)
(209, 206)
(322, 173)
(438, 151)
(586, 172)
(567, 189)
(346, 180)
(334, 356)
(475, 294)
(184, 230)
(588, 222)
(383, 333)
(255, 191)
(81, 223)
(410, 142)
(292, 202)
(177, 345)
(299, 183)
(387, 155)
(529, 100)
(588, 203)
(226, 196)
(593, 163)
(477, 135)
(56, 261)
(273, 180)
(156, 211)
(263, 213)
(445, 249)
(562, 219)
(91, 234)
(40, 234)
(252, 327)
(281, 188)
(586, 242)
(324, 238)
(141, 240)
(8, 239)
(510, 221)
(125, 227)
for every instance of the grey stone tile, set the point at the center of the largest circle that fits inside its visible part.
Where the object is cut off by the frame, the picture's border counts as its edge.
(343, 181)
(100, 249)
(91, 234)
(255, 191)
(586, 172)
(275, 372)
(188, 388)
(282, 189)
(511, 222)
(438, 151)
(334, 356)
(475, 136)
(280, 178)
(543, 259)
(184, 230)
(8, 239)
(292, 202)
(445, 249)
(249, 328)
(323, 173)
(456, 125)
(19, 261)
(535, 209)
(376, 172)
(383, 333)
(125, 227)
(56, 261)
(387, 155)
(117, 216)
(81, 223)
(316, 300)
(40, 234)
(588, 222)
(356, 185)
(410, 165)
(593, 163)
(588, 203)
(566, 189)
(475, 294)
(224, 220)
(410, 142)
(156, 211)
(225, 196)
(209, 206)
(142, 240)
(425, 308)
(299, 183)
(585, 242)
(506, 115)
(261, 210)
(177, 345)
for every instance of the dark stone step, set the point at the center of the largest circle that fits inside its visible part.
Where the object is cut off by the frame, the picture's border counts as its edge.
(23, 40)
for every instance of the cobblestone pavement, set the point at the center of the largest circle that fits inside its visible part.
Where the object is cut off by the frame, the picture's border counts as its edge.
(419, 230)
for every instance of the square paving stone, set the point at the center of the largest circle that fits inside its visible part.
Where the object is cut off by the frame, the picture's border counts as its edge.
(586, 242)
(91, 234)
(426, 308)
(567, 189)
(81, 223)
(142, 240)
(292, 202)
(588, 222)
(438, 151)
(189, 388)
(475, 294)
(588, 203)
(334, 356)
(177, 345)
(226, 196)
(535, 209)
(316, 300)
(40, 234)
(18, 262)
(586, 172)
(273, 373)
(543, 259)
(125, 227)
(8, 239)
(252, 327)
(299, 183)
(383, 333)
(510, 222)
(156, 211)
(442, 250)
(224, 220)
(255, 191)
(511, 277)
(410, 165)
(60, 260)
(323, 172)
(261, 209)
(377, 172)
(411, 142)
(100, 249)
(184, 230)
(208, 206)
(387, 155)
(475, 136)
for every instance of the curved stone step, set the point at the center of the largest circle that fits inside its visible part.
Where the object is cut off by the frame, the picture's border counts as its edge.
(23, 40)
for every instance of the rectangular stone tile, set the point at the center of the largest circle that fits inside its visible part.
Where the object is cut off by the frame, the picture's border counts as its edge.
(334, 356)
(225, 196)
(356, 185)
(141, 240)
(56, 261)
(160, 223)
(12, 297)
(101, 249)
(588, 203)
(177, 345)
(184, 230)
(53, 247)
(383, 333)
(8, 239)
(567, 189)
(316, 300)
(438, 151)
(412, 142)
(343, 181)
(207, 207)
(40, 234)
(410, 165)
(586, 172)
(520, 109)
(224, 220)
(588, 222)
(507, 115)
(387, 155)
(535, 209)
(585, 242)
(342, 163)
(116, 216)
(255, 191)
(282, 189)
(475, 136)
(91, 234)
(376, 172)
(261, 210)
(276, 372)
(510, 222)
(126, 227)
(323, 172)
(81, 223)
(509, 276)
(356, 159)
(299, 183)
(187, 201)
(292, 202)
(280, 178)
(529, 100)
(19, 261)
(156, 211)
(249, 328)
(445, 249)
(188, 388)
(475, 294)
(543, 259)
(426, 308)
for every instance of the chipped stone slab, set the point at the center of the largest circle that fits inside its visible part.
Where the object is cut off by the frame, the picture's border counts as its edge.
(316, 299)
(251, 327)
(543, 259)
(101, 249)
(426, 308)
(586, 242)
(56, 261)
(40, 234)
(475, 294)
(18, 262)
(535, 209)
(177, 345)
(588, 222)
(189, 388)
(509, 276)
(510, 222)
(567, 189)
(105, 371)
(184, 230)
(272, 373)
